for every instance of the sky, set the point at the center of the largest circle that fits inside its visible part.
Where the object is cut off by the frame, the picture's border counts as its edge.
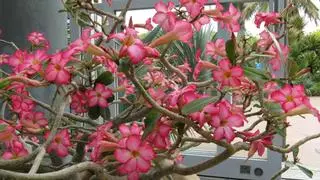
(140, 16)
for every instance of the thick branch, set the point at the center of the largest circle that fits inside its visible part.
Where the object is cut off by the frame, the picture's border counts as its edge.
(296, 145)
(62, 174)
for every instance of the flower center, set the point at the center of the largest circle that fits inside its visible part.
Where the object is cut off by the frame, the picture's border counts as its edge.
(289, 98)
(135, 154)
(224, 122)
(57, 67)
(128, 41)
(227, 74)
(35, 61)
(58, 140)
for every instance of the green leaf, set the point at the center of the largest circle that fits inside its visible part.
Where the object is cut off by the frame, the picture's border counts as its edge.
(83, 19)
(293, 68)
(274, 108)
(4, 84)
(105, 78)
(197, 105)
(256, 74)
(231, 51)
(94, 112)
(150, 122)
(2, 127)
(280, 131)
(105, 113)
(305, 170)
(152, 35)
(124, 65)
(295, 152)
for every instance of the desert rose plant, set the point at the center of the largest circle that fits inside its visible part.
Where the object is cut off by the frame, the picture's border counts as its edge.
(167, 108)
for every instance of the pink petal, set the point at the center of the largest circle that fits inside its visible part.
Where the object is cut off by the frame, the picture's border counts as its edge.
(229, 134)
(136, 53)
(62, 151)
(63, 77)
(102, 103)
(131, 165)
(93, 101)
(143, 165)
(219, 133)
(237, 71)
(235, 121)
(278, 96)
(122, 155)
(124, 130)
(146, 152)
(133, 143)
(225, 64)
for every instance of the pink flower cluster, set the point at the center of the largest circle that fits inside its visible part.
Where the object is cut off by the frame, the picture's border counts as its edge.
(293, 98)
(96, 96)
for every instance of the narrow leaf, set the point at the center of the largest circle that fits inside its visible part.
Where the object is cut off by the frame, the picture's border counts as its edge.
(150, 122)
(305, 170)
(94, 112)
(231, 51)
(105, 78)
(197, 105)
(256, 74)
(2, 127)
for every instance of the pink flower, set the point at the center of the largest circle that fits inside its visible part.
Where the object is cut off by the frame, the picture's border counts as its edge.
(225, 120)
(129, 88)
(229, 19)
(109, 2)
(156, 78)
(268, 18)
(102, 141)
(164, 16)
(126, 131)
(185, 67)
(8, 134)
(17, 61)
(34, 61)
(21, 104)
(131, 46)
(157, 94)
(200, 22)
(258, 145)
(99, 96)
(109, 64)
(15, 150)
(56, 70)
(4, 58)
(228, 75)
(201, 65)
(182, 31)
(38, 39)
(193, 7)
(134, 155)
(216, 48)
(174, 97)
(33, 122)
(60, 143)
(276, 60)
(289, 97)
(147, 25)
(79, 102)
(265, 39)
(84, 41)
(159, 137)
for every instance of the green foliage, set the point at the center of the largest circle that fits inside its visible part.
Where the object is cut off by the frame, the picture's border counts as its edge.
(306, 53)
(105, 78)
(197, 105)
(150, 121)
